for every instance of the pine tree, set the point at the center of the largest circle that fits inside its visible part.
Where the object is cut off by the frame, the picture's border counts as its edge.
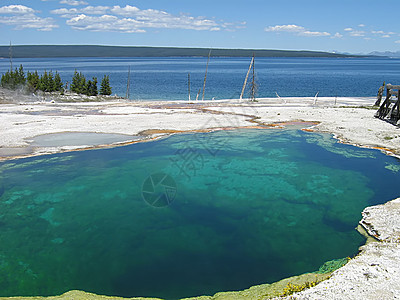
(13, 79)
(58, 85)
(91, 87)
(78, 84)
(75, 82)
(44, 82)
(20, 75)
(50, 82)
(95, 90)
(82, 83)
(6, 80)
(105, 88)
(88, 87)
(33, 80)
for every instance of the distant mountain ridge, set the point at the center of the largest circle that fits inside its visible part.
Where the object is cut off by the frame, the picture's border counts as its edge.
(36, 51)
(386, 53)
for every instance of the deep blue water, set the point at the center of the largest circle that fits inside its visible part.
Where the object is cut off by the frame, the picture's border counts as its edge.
(239, 208)
(167, 78)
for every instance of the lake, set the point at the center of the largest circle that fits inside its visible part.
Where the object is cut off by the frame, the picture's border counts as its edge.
(192, 214)
(167, 78)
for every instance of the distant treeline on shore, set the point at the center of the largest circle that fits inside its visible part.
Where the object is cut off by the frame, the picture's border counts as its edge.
(34, 51)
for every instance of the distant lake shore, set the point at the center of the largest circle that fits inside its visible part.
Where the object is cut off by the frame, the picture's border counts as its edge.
(47, 51)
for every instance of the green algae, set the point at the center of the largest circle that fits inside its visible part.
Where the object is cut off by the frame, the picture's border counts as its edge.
(333, 265)
(251, 207)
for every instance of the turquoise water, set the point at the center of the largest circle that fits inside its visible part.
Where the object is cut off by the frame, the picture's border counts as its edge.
(167, 78)
(230, 209)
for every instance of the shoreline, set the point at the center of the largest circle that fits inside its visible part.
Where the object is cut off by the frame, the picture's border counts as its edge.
(23, 122)
(348, 119)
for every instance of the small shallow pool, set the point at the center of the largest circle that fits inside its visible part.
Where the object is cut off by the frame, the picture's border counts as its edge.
(79, 139)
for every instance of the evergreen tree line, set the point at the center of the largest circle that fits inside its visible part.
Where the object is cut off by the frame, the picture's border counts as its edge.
(49, 82)
(46, 82)
(13, 79)
(80, 85)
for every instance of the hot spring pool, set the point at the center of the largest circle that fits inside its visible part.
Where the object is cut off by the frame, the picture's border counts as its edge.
(192, 214)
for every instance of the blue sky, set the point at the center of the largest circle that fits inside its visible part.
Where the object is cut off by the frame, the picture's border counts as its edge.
(356, 26)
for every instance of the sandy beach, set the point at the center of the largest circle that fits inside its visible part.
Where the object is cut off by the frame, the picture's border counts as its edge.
(30, 128)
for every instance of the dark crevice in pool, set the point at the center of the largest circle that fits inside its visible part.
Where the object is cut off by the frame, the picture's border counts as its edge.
(337, 224)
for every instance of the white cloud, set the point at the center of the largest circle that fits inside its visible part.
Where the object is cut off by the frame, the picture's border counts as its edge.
(65, 11)
(368, 35)
(73, 2)
(397, 42)
(229, 26)
(314, 33)
(104, 23)
(285, 28)
(130, 11)
(357, 33)
(337, 35)
(299, 30)
(132, 19)
(161, 19)
(26, 22)
(73, 12)
(23, 17)
(382, 33)
(16, 9)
